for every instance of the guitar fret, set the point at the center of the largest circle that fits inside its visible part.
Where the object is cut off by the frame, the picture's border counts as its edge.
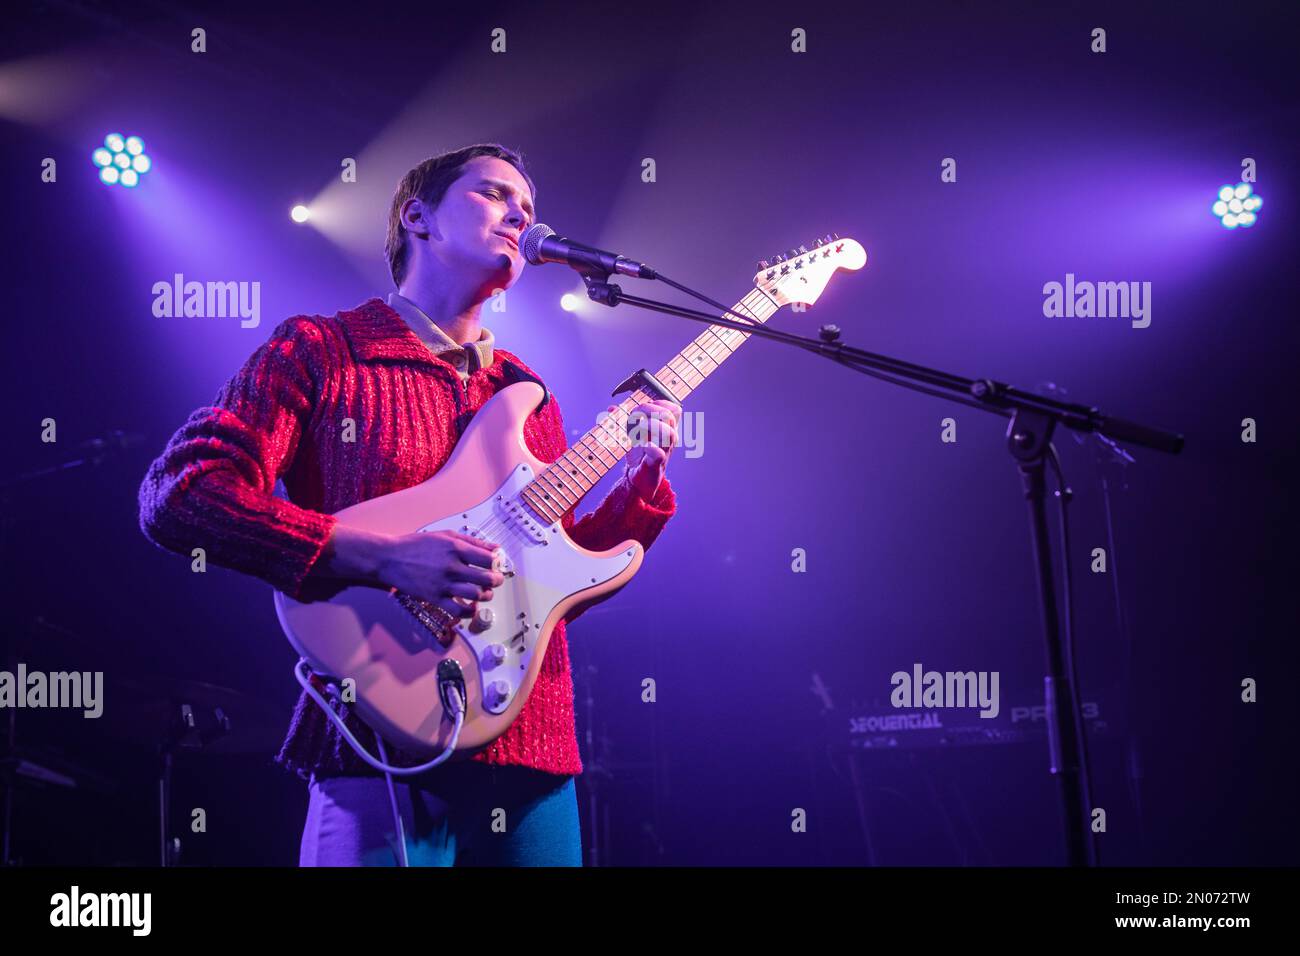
(574, 467)
(717, 334)
(572, 451)
(550, 494)
(726, 335)
(591, 443)
(668, 375)
(717, 349)
(686, 370)
(698, 357)
(583, 464)
(556, 480)
(543, 509)
(612, 436)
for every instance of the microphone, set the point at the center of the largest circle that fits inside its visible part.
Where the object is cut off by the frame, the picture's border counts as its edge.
(541, 244)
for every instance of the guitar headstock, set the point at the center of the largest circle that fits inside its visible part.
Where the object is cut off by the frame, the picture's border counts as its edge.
(800, 275)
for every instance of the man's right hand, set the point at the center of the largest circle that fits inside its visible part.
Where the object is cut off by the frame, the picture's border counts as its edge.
(436, 566)
(440, 567)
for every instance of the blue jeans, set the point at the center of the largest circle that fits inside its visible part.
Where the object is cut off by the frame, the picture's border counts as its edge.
(465, 814)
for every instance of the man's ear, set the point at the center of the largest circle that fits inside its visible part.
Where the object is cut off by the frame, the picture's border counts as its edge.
(416, 218)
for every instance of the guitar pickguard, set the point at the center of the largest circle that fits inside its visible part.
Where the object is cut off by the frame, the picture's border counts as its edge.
(541, 568)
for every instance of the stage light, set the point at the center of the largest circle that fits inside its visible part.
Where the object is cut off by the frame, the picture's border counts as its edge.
(300, 213)
(569, 302)
(121, 160)
(1237, 206)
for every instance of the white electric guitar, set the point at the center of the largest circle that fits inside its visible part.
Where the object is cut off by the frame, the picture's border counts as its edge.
(492, 487)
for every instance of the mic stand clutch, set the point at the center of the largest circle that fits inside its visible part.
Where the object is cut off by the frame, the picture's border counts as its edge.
(1033, 420)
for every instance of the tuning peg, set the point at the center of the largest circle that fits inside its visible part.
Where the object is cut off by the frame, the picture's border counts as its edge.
(762, 264)
(792, 254)
(818, 243)
(835, 237)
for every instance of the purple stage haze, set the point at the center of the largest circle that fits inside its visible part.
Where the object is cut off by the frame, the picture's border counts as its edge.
(1097, 166)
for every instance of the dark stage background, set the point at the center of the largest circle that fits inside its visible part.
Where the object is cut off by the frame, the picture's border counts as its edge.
(1103, 165)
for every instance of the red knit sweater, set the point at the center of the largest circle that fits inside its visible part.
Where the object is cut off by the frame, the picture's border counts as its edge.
(281, 417)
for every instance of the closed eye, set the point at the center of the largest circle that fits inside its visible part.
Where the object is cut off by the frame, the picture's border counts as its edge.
(498, 194)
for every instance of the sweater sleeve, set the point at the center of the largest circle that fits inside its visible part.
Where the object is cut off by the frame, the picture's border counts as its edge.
(621, 515)
(212, 487)
(624, 514)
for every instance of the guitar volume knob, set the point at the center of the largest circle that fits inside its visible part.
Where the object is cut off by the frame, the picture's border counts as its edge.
(482, 619)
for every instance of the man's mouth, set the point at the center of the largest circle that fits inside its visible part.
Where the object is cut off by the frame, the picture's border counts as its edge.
(509, 239)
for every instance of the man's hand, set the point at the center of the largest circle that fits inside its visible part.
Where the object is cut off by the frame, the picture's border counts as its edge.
(450, 570)
(446, 568)
(652, 426)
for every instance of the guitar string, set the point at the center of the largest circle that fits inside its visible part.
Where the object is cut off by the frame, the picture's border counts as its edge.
(561, 485)
(495, 525)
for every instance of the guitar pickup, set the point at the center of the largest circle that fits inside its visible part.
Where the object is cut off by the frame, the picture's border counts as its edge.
(521, 518)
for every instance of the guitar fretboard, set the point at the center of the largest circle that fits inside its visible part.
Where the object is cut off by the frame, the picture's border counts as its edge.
(559, 488)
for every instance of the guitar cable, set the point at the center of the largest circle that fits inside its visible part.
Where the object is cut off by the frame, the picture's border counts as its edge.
(451, 690)
(399, 831)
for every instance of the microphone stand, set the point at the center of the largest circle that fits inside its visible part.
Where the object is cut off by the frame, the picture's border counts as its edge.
(1034, 418)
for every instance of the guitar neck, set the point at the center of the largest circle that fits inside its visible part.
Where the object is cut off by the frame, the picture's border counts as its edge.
(560, 487)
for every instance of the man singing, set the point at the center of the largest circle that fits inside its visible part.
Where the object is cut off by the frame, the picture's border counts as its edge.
(409, 372)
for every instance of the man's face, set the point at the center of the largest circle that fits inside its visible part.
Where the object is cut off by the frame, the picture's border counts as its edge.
(479, 223)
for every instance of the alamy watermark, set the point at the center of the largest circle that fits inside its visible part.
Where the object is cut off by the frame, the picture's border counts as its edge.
(1102, 300)
(922, 688)
(208, 300)
(78, 909)
(80, 689)
(644, 430)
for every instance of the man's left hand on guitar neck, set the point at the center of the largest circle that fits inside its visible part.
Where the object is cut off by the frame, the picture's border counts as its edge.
(653, 441)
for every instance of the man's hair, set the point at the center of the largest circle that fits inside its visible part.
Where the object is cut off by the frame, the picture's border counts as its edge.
(429, 182)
